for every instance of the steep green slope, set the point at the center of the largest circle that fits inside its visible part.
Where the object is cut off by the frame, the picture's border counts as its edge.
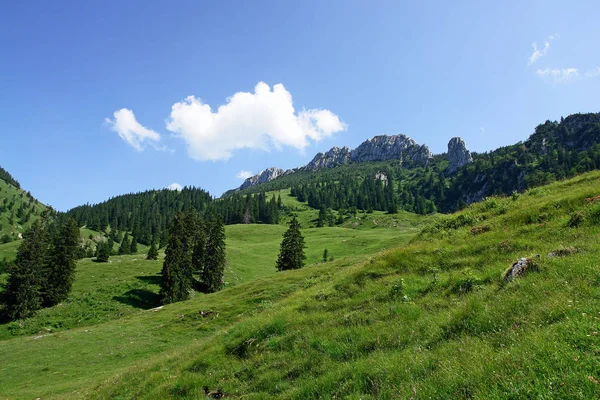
(432, 318)
(18, 209)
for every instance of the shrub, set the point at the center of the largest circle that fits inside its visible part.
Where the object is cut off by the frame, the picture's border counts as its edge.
(576, 219)
(476, 230)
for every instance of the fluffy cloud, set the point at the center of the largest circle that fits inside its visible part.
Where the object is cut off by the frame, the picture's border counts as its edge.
(244, 174)
(262, 120)
(174, 186)
(132, 131)
(558, 75)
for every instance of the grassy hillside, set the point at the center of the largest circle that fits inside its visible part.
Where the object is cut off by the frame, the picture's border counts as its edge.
(13, 199)
(110, 300)
(431, 319)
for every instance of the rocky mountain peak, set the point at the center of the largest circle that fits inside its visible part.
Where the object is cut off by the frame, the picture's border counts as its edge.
(391, 147)
(334, 157)
(458, 155)
(264, 176)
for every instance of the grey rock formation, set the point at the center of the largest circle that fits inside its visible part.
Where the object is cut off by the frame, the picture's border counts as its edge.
(391, 147)
(458, 155)
(262, 177)
(334, 157)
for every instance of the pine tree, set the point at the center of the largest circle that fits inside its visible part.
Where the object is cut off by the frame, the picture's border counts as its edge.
(325, 254)
(152, 252)
(102, 252)
(125, 247)
(22, 290)
(176, 273)
(60, 272)
(133, 247)
(199, 252)
(291, 255)
(214, 256)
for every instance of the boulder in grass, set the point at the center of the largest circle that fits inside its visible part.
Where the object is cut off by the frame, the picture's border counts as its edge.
(519, 268)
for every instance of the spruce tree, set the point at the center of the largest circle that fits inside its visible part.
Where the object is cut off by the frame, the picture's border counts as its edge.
(152, 252)
(133, 247)
(102, 252)
(199, 252)
(60, 271)
(176, 273)
(291, 255)
(22, 295)
(214, 256)
(125, 247)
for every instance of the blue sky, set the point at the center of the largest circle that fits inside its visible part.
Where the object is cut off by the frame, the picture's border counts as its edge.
(104, 98)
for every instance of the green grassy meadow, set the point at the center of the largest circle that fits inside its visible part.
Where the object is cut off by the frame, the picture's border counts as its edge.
(408, 308)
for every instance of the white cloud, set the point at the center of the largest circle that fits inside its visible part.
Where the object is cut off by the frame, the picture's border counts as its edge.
(558, 75)
(244, 174)
(132, 131)
(538, 53)
(174, 186)
(593, 73)
(261, 120)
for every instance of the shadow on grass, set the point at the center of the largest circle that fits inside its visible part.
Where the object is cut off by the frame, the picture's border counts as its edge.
(152, 279)
(139, 298)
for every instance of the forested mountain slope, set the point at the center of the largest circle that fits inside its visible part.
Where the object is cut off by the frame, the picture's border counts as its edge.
(556, 150)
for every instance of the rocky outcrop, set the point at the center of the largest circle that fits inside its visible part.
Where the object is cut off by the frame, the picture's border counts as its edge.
(458, 155)
(520, 268)
(262, 177)
(391, 147)
(334, 157)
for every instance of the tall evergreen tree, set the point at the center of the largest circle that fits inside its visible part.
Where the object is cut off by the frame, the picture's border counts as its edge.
(291, 255)
(60, 271)
(199, 252)
(214, 255)
(102, 252)
(176, 273)
(125, 247)
(133, 247)
(152, 251)
(22, 295)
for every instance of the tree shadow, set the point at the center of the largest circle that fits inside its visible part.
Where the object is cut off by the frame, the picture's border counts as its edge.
(152, 279)
(139, 298)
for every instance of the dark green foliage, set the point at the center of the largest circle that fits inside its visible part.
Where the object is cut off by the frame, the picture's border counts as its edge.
(152, 251)
(148, 214)
(22, 295)
(177, 269)
(214, 255)
(5, 176)
(325, 253)
(125, 247)
(5, 239)
(133, 248)
(196, 246)
(102, 252)
(291, 255)
(60, 271)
